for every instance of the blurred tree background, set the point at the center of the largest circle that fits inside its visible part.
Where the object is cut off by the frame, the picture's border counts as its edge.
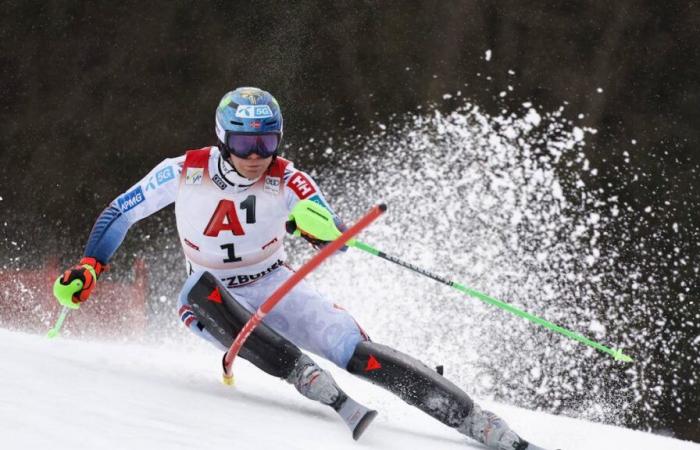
(94, 94)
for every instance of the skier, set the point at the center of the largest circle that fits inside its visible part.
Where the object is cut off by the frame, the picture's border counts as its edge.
(232, 203)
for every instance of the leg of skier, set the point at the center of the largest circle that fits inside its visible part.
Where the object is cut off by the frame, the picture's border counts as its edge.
(424, 388)
(219, 318)
(314, 324)
(309, 321)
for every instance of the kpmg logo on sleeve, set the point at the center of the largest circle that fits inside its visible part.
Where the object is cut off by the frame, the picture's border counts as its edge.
(131, 199)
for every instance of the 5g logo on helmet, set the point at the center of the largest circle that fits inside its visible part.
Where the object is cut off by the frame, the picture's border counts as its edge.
(253, 111)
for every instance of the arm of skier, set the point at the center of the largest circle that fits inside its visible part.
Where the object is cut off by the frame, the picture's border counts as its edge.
(155, 191)
(298, 186)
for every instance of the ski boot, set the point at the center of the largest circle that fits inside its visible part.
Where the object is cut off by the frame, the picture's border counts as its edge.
(492, 431)
(316, 384)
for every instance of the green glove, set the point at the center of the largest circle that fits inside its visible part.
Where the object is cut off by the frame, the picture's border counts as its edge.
(310, 218)
(315, 223)
(76, 284)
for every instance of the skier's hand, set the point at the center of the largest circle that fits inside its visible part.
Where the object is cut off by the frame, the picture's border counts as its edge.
(76, 284)
(292, 228)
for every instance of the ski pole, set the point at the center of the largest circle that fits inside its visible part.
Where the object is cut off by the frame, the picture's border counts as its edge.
(64, 294)
(615, 353)
(309, 216)
(53, 332)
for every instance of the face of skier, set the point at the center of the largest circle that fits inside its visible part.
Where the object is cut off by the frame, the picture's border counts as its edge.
(251, 167)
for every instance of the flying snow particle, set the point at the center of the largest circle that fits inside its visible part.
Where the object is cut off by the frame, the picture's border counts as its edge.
(596, 327)
(593, 218)
(446, 96)
(487, 56)
(532, 117)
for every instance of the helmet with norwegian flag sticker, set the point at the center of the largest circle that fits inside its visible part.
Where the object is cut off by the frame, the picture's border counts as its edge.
(248, 120)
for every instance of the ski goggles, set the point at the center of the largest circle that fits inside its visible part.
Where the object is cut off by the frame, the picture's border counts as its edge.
(244, 145)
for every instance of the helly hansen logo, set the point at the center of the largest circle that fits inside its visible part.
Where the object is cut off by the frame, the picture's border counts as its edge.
(301, 186)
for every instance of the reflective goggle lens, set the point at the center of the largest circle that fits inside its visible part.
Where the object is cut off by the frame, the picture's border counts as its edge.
(243, 145)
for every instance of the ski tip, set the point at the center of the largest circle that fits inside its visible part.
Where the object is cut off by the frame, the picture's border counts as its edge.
(382, 207)
(619, 356)
(363, 424)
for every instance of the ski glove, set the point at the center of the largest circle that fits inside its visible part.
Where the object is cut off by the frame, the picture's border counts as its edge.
(76, 284)
(291, 227)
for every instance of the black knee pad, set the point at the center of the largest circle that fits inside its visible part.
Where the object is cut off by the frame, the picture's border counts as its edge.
(413, 381)
(224, 317)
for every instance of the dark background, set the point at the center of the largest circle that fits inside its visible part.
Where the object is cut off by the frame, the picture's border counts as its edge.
(95, 94)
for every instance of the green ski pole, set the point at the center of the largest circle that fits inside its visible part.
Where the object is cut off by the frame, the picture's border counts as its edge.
(53, 332)
(64, 294)
(317, 221)
(615, 353)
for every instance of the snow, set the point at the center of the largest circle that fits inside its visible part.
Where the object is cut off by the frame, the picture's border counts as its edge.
(512, 191)
(70, 394)
(533, 117)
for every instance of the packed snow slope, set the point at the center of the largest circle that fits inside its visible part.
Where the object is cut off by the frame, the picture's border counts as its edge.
(69, 394)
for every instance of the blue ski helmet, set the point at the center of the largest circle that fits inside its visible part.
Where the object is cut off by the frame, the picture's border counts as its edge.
(244, 113)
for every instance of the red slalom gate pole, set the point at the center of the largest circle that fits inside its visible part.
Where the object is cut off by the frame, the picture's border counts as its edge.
(292, 281)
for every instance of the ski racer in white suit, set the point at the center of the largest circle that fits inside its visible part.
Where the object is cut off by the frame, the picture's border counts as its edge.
(233, 227)
(232, 205)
